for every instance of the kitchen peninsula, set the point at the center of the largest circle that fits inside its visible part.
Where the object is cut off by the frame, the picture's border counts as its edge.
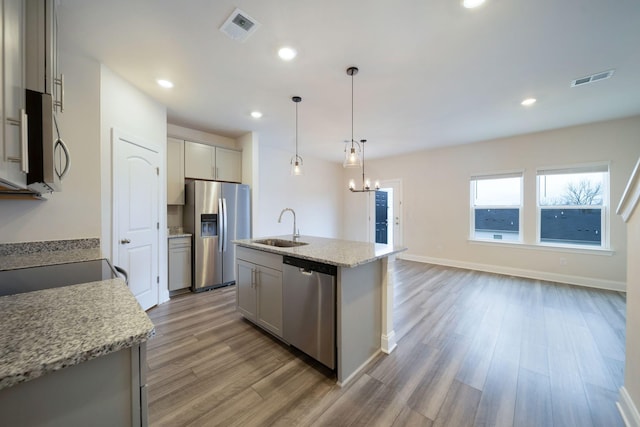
(69, 355)
(363, 292)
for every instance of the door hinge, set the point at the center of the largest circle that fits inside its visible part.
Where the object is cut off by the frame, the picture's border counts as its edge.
(157, 279)
(158, 171)
(157, 226)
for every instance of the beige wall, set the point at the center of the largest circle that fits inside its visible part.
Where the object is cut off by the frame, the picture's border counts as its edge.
(313, 196)
(131, 112)
(436, 201)
(75, 212)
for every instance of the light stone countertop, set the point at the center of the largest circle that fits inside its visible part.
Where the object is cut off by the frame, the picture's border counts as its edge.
(47, 330)
(341, 253)
(10, 262)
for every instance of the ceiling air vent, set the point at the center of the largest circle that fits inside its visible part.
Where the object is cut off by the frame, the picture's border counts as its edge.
(239, 26)
(592, 78)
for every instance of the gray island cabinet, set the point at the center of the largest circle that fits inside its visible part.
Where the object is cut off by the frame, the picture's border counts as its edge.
(363, 293)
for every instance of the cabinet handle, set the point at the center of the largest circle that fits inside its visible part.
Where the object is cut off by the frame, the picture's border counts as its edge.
(217, 173)
(22, 122)
(59, 81)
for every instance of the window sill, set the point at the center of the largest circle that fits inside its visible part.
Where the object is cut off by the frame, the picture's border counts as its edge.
(546, 247)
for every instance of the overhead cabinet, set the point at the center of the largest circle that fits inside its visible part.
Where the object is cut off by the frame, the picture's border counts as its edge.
(13, 132)
(202, 161)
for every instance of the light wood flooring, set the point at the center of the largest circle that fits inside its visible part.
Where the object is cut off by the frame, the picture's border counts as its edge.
(474, 349)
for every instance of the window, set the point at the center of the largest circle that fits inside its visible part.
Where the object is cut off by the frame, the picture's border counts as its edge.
(496, 207)
(572, 205)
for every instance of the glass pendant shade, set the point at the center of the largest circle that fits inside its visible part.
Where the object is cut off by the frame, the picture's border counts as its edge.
(352, 157)
(296, 166)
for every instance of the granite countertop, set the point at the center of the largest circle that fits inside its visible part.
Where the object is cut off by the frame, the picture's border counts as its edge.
(47, 330)
(341, 253)
(10, 262)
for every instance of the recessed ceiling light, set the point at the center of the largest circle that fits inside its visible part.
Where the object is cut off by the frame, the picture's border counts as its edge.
(287, 53)
(165, 83)
(470, 4)
(528, 101)
(256, 114)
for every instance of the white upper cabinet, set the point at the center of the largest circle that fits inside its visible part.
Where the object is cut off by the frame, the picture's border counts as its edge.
(13, 135)
(202, 161)
(175, 171)
(228, 165)
(199, 161)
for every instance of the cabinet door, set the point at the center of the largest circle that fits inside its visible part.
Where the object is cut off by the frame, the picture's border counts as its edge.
(179, 268)
(199, 160)
(245, 289)
(270, 300)
(175, 171)
(228, 165)
(13, 138)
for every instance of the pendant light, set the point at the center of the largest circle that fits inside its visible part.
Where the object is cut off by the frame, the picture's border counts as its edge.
(352, 154)
(296, 161)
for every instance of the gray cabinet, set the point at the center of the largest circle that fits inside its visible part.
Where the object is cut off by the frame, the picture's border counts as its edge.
(13, 129)
(175, 171)
(259, 288)
(110, 390)
(202, 161)
(179, 263)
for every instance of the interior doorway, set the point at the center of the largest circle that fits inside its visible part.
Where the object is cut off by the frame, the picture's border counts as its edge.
(386, 213)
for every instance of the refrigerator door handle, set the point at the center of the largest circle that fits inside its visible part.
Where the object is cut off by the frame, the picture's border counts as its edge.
(221, 225)
(224, 225)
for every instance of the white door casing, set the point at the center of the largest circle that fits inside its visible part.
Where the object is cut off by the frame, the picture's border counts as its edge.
(135, 245)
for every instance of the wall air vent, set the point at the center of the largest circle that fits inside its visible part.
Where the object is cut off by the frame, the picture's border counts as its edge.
(239, 26)
(592, 78)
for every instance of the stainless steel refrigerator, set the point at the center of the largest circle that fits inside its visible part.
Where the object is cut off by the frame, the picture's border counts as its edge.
(215, 213)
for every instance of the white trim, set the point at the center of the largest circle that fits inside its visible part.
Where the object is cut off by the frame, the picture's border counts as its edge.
(631, 195)
(514, 173)
(604, 166)
(388, 342)
(359, 370)
(520, 272)
(575, 249)
(628, 409)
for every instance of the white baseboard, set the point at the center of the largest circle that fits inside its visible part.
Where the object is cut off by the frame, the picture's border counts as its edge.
(628, 410)
(388, 342)
(611, 285)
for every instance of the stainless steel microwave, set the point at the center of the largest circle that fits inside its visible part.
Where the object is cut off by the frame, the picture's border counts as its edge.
(49, 159)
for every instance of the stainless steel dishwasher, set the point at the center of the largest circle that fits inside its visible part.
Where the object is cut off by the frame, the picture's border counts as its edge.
(309, 308)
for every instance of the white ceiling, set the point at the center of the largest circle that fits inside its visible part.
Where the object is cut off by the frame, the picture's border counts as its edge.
(431, 72)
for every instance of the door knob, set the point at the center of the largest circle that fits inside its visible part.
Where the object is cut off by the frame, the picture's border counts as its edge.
(125, 241)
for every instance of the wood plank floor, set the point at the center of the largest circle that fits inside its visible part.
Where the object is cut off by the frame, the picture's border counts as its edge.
(474, 349)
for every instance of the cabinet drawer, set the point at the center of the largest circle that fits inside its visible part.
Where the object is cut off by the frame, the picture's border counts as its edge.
(266, 259)
(179, 242)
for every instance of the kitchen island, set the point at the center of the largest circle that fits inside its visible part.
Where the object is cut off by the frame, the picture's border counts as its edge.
(363, 293)
(72, 355)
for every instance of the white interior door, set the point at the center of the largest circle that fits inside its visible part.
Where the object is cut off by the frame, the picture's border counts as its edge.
(136, 227)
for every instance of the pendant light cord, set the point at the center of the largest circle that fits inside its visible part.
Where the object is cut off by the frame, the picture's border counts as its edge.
(296, 131)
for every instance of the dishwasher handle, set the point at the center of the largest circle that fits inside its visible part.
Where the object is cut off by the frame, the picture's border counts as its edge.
(306, 272)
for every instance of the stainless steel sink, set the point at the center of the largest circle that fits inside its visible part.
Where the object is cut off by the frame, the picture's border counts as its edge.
(280, 243)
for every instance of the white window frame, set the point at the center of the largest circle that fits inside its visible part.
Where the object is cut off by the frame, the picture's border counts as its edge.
(472, 206)
(604, 208)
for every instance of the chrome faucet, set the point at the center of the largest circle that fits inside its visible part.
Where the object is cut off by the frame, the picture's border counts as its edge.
(296, 232)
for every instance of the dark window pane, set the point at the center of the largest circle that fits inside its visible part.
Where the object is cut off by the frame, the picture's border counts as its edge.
(497, 219)
(576, 226)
